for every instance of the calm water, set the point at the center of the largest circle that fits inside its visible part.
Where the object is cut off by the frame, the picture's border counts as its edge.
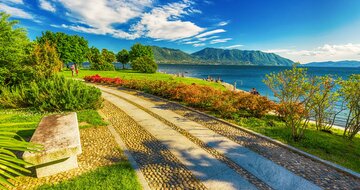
(247, 77)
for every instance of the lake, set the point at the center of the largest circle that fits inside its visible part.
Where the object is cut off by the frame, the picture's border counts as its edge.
(248, 77)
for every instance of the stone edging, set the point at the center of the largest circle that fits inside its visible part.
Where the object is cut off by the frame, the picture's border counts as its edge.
(141, 178)
(291, 148)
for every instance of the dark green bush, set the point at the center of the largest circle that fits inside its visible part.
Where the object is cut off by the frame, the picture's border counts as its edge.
(53, 94)
(144, 64)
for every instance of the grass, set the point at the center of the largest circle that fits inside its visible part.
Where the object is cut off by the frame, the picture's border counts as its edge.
(332, 147)
(130, 74)
(25, 121)
(119, 176)
(22, 121)
(90, 118)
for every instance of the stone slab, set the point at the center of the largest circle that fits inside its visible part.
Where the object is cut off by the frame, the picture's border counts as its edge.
(212, 173)
(59, 134)
(56, 167)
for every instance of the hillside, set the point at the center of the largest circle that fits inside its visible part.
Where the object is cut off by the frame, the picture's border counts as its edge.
(334, 64)
(241, 57)
(219, 56)
(168, 55)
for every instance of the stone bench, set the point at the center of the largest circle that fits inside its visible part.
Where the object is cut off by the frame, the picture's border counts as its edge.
(60, 137)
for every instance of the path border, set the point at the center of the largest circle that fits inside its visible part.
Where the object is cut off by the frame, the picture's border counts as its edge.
(120, 142)
(289, 147)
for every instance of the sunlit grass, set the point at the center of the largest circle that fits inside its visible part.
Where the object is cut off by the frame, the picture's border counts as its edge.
(119, 176)
(130, 74)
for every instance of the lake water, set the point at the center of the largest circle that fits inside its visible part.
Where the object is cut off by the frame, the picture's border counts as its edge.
(248, 77)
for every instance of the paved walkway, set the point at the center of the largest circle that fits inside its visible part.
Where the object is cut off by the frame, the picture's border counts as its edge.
(217, 161)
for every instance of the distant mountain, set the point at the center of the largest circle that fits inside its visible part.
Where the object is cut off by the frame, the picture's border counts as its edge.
(333, 64)
(219, 57)
(241, 57)
(168, 55)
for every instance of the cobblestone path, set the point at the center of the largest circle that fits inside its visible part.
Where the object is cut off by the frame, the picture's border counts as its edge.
(181, 149)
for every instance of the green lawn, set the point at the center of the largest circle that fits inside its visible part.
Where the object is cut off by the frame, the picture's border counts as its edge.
(90, 118)
(119, 176)
(332, 147)
(130, 74)
(24, 121)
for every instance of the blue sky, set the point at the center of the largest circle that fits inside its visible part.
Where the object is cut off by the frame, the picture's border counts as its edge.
(302, 30)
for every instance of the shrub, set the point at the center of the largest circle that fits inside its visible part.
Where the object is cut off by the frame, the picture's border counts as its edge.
(144, 64)
(226, 103)
(45, 60)
(294, 89)
(350, 90)
(53, 94)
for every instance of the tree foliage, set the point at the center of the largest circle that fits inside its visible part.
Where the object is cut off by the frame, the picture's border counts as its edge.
(70, 48)
(324, 101)
(294, 91)
(45, 60)
(142, 58)
(109, 56)
(97, 60)
(14, 48)
(139, 50)
(123, 57)
(350, 90)
(144, 64)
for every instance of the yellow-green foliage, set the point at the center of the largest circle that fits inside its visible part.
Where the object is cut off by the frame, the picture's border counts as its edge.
(45, 60)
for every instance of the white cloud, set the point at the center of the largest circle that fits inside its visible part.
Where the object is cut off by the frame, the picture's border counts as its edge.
(223, 23)
(161, 22)
(199, 44)
(165, 23)
(232, 46)
(14, 1)
(276, 50)
(209, 38)
(104, 13)
(46, 5)
(15, 12)
(326, 52)
(210, 33)
(192, 42)
(220, 40)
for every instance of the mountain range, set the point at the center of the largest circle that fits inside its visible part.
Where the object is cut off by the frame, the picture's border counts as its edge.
(333, 64)
(218, 56)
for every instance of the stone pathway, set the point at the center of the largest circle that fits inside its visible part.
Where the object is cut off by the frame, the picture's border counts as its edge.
(214, 160)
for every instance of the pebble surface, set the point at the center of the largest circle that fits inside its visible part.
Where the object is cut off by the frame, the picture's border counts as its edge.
(160, 167)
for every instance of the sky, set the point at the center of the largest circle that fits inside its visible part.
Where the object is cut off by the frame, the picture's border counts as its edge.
(301, 30)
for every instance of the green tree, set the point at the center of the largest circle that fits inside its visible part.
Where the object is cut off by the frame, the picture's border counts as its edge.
(123, 57)
(14, 48)
(45, 60)
(109, 56)
(139, 50)
(294, 90)
(97, 60)
(144, 64)
(324, 101)
(71, 49)
(350, 90)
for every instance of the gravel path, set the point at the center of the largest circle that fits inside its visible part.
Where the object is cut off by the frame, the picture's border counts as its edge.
(320, 174)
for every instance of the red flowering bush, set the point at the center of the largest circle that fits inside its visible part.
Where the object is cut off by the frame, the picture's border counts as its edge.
(103, 80)
(226, 103)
